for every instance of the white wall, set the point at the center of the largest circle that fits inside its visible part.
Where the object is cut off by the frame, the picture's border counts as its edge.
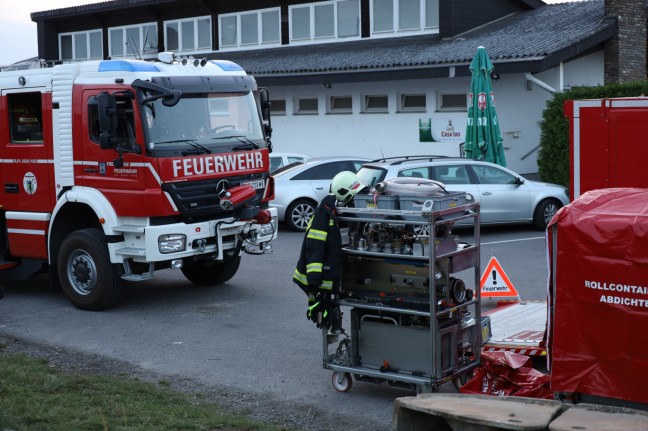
(519, 107)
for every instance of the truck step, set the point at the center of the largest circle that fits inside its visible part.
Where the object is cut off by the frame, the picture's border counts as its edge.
(137, 277)
(131, 251)
(129, 228)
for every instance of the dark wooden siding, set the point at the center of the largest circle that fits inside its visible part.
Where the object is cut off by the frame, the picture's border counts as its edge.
(458, 16)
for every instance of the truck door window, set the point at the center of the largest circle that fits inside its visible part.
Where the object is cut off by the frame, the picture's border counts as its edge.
(25, 118)
(125, 122)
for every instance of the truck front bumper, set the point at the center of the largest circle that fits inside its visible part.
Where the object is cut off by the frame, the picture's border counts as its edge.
(151, 244)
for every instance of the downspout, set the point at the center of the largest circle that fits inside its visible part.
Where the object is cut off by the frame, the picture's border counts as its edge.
(530, 78)
(544, 85)
(541, 84)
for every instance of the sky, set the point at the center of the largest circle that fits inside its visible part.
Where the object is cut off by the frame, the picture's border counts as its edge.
(18, 31)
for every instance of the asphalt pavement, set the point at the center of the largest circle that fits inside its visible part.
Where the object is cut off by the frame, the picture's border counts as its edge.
(249, 334)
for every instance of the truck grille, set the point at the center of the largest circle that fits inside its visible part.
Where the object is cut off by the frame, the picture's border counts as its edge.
(200, 198)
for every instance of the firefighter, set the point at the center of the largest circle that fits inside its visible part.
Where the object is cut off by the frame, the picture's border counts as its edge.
(318, 268)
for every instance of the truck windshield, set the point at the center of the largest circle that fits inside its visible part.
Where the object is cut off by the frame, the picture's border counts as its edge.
(207, 119)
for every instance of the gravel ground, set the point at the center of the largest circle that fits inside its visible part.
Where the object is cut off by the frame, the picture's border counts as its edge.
(260, 407)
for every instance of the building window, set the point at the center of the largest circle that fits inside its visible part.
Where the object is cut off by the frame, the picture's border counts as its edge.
(260, 27)
(376, 104)
(83, 45)
(188, 35)
(449, 101)
(404, 16)
(332, 20)
(340, 105)
(133, 41)
(25, 118)
(278, 106)
(306, 106)
(412, 103)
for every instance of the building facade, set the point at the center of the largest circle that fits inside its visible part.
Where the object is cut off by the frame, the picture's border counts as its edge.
(374, 77)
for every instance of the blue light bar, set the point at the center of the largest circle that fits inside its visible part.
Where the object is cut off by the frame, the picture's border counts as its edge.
(127, 66)
(227, 66)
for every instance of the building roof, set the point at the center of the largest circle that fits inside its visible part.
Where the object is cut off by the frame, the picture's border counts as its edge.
(529, 41)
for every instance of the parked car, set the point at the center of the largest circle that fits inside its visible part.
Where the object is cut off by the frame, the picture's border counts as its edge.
(300, 186)
(504, 196)
(279, 160)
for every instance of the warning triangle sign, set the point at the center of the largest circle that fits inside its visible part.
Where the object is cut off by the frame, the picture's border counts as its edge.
(495, 283)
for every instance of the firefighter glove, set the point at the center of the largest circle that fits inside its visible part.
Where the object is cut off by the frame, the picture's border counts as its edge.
(314, 306)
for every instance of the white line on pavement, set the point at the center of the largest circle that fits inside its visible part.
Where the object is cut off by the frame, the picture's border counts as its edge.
(512, 240)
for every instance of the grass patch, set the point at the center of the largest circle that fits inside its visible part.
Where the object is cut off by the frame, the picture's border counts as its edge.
(34, 396)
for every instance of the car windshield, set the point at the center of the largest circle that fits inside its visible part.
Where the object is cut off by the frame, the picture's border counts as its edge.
(210, 118)
(369, 175)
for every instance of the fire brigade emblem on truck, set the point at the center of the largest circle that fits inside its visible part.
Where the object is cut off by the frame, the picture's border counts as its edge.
(29, 183)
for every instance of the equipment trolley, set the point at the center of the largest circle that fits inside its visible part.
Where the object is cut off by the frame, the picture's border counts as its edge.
(414, 324)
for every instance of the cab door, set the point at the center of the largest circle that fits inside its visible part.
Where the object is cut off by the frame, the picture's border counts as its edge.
(28, 195)
(118, 178)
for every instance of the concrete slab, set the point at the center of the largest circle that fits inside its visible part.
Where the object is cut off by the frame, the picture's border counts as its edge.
(600, 418)
(462, 412)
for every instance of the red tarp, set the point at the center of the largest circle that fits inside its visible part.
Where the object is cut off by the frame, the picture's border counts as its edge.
(598, 330)
(508, 373)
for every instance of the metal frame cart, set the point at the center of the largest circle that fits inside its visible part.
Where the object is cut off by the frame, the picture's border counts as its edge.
(413, 324)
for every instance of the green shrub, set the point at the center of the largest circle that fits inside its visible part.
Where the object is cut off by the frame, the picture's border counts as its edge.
(553, 157)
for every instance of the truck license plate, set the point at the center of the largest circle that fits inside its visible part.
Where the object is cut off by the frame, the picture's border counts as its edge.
(258, 184)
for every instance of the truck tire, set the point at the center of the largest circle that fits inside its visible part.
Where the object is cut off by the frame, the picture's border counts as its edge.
(86, 275)
(544, 212)
(209, 272)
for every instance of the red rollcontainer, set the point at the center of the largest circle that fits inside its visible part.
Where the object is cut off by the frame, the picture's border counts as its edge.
(598, 294)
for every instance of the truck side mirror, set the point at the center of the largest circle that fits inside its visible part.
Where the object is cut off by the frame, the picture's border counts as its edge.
(107, 120)
(265, 111)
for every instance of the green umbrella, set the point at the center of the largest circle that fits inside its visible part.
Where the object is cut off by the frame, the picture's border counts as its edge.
(483, 137)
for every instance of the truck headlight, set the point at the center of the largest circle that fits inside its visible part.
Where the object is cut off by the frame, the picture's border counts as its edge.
(267, 229)
(172, 243)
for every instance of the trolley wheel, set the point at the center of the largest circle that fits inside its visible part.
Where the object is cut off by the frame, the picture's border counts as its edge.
(342, 382)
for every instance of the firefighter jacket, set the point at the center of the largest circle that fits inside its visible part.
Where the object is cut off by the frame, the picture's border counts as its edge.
(320, 259)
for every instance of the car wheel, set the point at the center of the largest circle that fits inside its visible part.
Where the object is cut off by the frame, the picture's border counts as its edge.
(299, 214)
(544, 212)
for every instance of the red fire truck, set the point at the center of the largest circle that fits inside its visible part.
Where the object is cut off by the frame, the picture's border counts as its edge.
(115, 169)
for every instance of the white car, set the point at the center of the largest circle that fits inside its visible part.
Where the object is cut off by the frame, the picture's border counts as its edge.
(300, 186)
(279, 160)
(505, 197)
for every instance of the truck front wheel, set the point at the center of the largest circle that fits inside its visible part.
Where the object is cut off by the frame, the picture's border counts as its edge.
(209, 272)
(87, 277)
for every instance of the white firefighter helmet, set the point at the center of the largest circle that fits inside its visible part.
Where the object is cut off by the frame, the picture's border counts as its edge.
(344, 185)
